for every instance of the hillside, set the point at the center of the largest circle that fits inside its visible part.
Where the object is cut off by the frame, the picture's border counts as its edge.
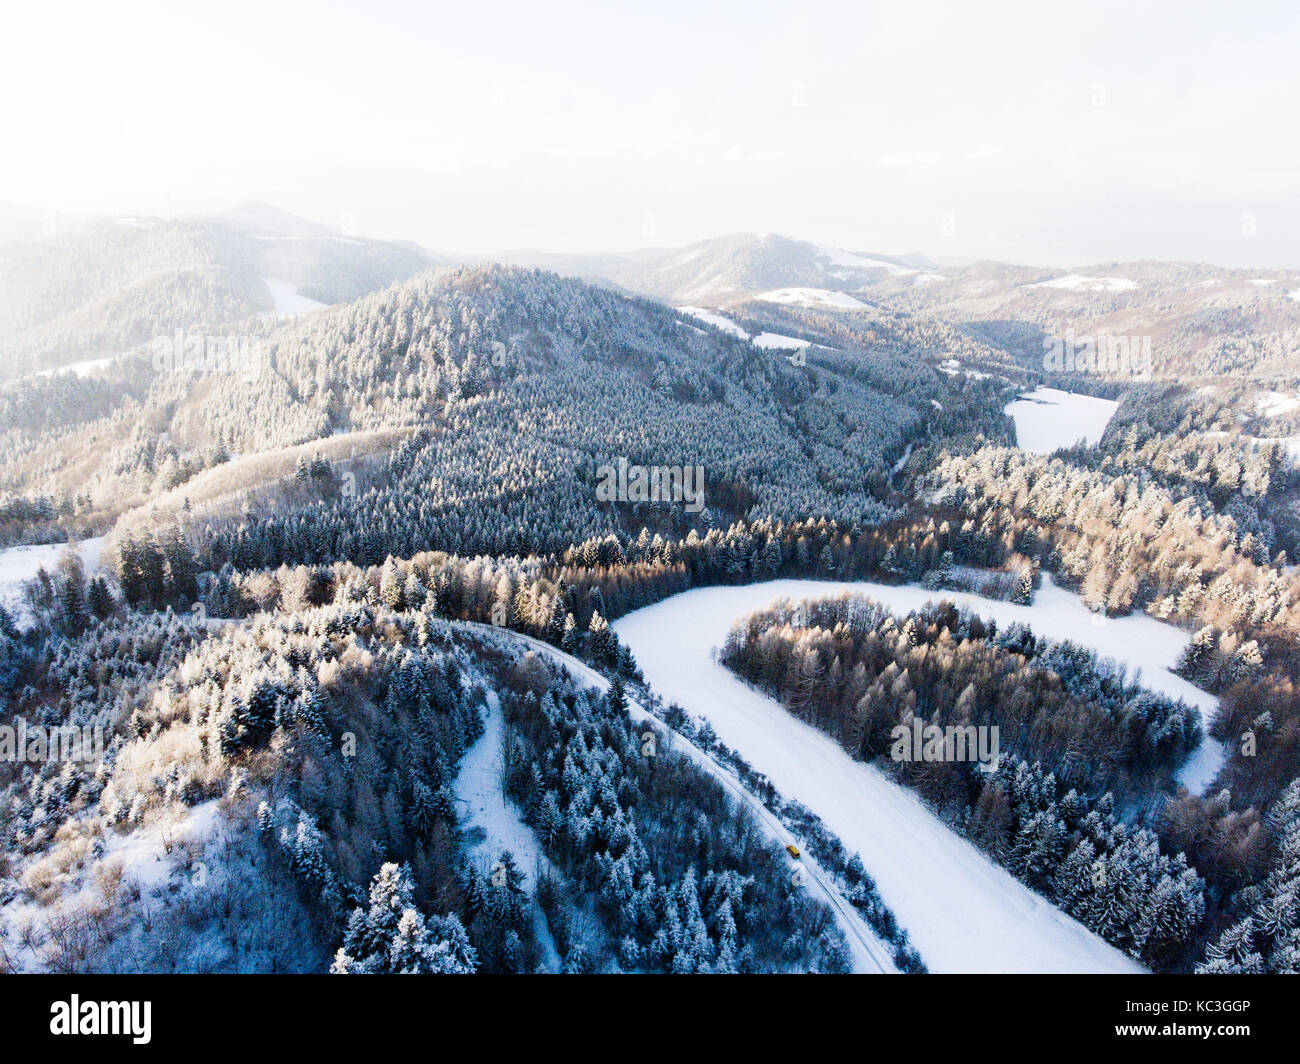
(96, 288)
(513, 388)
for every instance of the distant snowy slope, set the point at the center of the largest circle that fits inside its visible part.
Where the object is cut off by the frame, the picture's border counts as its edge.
(719, 321)
(1077, 282)
(287, 300)
(812, 297)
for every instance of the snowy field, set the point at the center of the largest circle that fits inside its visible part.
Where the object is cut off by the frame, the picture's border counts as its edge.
(1048, 418)
(1078, 282)
(19, 564)
(1275, 404)
(483, 805)
(812, 297)
(769, 341)
(287, 299)
(847, 260)
(81, 369)
(719, 321)
(962, 911)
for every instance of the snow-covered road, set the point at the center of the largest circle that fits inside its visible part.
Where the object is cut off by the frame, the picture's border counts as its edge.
(868, 952)
(963, 912)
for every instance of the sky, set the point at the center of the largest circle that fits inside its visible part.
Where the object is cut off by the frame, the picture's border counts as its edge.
(1046, 133)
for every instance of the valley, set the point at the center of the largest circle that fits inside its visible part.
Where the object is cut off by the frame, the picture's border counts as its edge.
(395, 526)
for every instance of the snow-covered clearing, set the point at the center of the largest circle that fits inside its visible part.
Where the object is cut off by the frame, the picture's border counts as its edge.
(952, 367)
(481, 796)
(19, 564)
(149, 857)
(146, 852)
(776, 342)
(81, 369)
(1273, 404)
(1048, 418)
(868, 952)
(715, 319)
(287, 300)
(1078, 282)
(812, 297)
(769, 341)
(962, 911)
(479, 789)
(847, 260)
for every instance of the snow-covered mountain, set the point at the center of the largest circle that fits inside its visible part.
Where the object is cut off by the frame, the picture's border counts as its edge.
(726, 269)
(73, 290)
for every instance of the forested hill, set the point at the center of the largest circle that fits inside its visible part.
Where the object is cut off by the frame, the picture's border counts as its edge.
(505, 390)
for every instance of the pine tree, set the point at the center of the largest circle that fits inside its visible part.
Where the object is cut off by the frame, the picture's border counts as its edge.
(100, 598)
(602, 643)
(392, 937)
(390, 585)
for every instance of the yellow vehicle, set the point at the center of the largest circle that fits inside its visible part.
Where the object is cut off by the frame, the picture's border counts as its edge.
(793, 851)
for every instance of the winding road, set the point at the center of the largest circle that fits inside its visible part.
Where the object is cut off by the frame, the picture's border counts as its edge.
(869, 954)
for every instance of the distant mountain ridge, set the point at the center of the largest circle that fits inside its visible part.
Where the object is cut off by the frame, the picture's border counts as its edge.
(75, 290)
(725, 269)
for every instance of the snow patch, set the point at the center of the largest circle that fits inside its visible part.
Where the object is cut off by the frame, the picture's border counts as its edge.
(19, 564)
(769, 341)
(718, 321)
(287, 300)
(776, 342)
(1272, 404)
(479, 790)
(1078, 282)
(144, 852)
(1048, 418)
(812, 297)
(952, 367)
(847, 260)
(81, 369)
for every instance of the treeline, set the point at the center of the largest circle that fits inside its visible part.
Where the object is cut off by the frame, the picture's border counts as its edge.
(853, 670)
(612, 575)
(1124, 540)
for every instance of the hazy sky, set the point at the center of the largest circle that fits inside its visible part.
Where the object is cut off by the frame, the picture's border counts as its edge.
(1039, 132)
